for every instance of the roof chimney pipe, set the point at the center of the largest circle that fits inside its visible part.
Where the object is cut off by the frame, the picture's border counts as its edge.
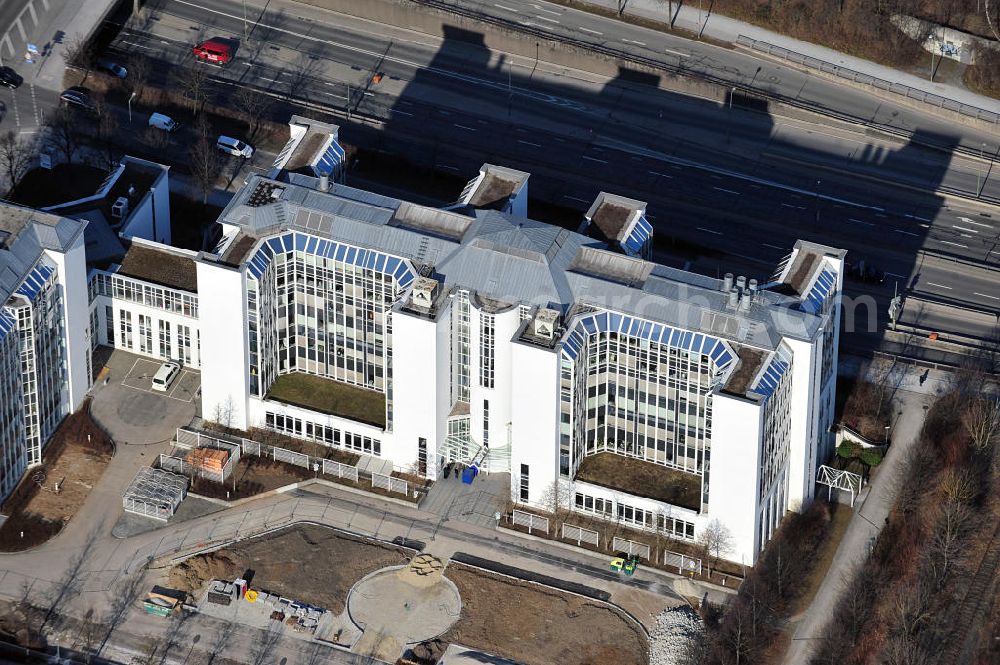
(734, 298)
(324, 183)
(741, 282)
(727, 282)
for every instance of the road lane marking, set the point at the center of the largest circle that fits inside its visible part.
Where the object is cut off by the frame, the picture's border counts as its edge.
(677, 53)
(662, 175)
(956, 244)
(975, 223)
(940, 286)
(576, 198)
(595, 159)
(859, 221)
(772, 246)
(896, 274)
(550, 20)
(400, 112)
(985, 295)
(962, 228)
(506, 9)
(787, 205)
(702, 228)
(632, 41)
(593, 32)
(469, 129)
(727, 191)
(908, 233)
(533, 145)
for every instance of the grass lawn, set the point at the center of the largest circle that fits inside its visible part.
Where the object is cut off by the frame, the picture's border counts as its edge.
(634, 476)
(332, 397)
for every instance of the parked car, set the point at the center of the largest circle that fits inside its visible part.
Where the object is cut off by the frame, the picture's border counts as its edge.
(214, 51)
(865, 272)
(10, 78)
(165, 376)
(78, 97)
(234, 147)
(112, 68)
(164, 122)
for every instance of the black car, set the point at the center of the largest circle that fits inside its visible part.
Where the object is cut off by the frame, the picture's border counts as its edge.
(78, 97)
(865, 272)
(10, 78)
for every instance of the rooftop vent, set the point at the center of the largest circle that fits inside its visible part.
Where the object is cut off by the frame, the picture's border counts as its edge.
(727, 282)
(424, 290)
(119, 209)
(546, 322)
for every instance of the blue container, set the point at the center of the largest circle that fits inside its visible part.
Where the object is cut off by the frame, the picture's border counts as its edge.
(468, 473)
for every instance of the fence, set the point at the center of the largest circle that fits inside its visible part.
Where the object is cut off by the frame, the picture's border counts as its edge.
(580, 535)
(195, 439)
(865, 79)
(630, 547)
(530, 520)
(684, 563)
(290, 457)
(389, 483)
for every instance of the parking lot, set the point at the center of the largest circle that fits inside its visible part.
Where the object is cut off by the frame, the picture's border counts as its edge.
(126, 405)
(139, 376)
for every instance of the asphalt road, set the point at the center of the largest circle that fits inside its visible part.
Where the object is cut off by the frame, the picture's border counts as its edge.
(740, 203)
(23, 22)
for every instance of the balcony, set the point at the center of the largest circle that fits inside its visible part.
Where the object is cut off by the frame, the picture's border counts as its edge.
(639, 478)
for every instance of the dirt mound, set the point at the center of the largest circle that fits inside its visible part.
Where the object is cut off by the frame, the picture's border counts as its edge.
(192, 574)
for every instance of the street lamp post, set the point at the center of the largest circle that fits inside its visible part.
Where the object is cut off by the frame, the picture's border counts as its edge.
(887, 435)
(130, 98)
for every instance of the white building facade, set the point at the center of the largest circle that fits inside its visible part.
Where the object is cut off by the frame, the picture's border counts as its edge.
(44, 333)
(492, 339)
(655, 397)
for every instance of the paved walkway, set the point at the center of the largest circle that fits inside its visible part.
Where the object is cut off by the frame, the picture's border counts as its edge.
(727, 29)
(870, 513)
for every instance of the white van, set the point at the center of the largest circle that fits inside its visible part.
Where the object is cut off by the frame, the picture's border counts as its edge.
(165, 376)
(164, 122)
(234, 147)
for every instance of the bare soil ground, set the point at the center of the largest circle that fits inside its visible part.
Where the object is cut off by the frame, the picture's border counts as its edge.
(313, 564)
(253, 475)
(33, 508)
(539, 626)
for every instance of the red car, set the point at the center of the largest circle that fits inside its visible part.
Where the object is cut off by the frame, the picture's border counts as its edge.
(214, 51)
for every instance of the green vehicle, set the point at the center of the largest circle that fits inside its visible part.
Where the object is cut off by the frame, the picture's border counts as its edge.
(625, 564)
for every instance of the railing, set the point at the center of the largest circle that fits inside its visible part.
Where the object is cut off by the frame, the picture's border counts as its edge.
(194, 439)
(630, 547)
(684, 563)
(530, 520)
(332, 468)
(866, 79)
(390, 484)
(182, 466)
(580, 535)
(290, 457)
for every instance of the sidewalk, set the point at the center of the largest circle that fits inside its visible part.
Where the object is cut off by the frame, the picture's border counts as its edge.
(726, 29)
(75, 20)
(870, 514)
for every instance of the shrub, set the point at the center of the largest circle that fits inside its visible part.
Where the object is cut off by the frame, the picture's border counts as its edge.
(871, 456)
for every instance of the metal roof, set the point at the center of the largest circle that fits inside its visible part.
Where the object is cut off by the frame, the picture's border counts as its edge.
(519, 260)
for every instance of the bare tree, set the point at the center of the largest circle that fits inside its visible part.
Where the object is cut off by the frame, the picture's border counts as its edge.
(139, 68)
(982, 422)
(64, 132)
(16, 156)
(254, 105)
(194, 84)
(107, 128)
(205, 165)
(80, 53)
(716, 540)
(556, 499)
(126, 591)
(264, 643)
(946, 540)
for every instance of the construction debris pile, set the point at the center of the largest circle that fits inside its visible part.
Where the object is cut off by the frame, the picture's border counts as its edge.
(676, 629)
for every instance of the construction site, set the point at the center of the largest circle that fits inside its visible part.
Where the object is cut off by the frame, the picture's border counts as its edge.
(398, 604)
